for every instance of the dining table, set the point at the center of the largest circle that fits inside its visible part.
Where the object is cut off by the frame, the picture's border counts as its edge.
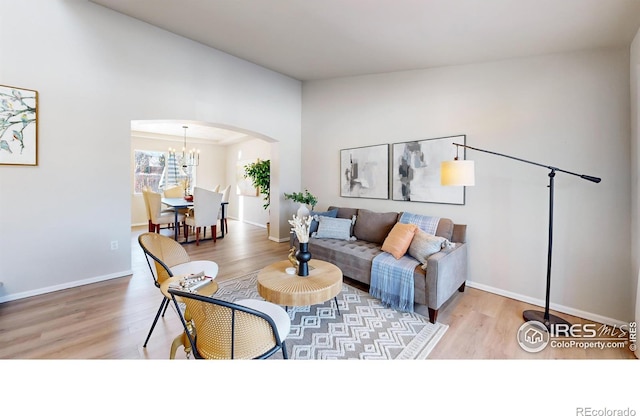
(180, 203)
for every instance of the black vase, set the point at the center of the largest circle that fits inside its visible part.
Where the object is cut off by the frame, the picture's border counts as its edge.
(303, 256)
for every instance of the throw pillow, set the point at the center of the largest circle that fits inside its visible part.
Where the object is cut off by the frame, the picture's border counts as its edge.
(314, 223)
(399, 239)
(374, 226)
(337, 228)
(424, 245)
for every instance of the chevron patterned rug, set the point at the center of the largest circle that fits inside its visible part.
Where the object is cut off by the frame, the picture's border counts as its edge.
(364, 330)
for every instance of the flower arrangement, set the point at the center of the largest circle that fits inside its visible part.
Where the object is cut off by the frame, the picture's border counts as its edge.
(301, 227)
(305, 197)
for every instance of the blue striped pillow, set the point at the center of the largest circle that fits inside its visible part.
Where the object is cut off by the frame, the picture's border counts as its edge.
(336, 228)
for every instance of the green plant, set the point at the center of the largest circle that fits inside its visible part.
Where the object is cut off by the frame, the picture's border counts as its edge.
(260, 174)
(302, 198)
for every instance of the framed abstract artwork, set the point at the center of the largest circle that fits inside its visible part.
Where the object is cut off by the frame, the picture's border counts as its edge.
(18, 126)
(364, 172)
(416, 171)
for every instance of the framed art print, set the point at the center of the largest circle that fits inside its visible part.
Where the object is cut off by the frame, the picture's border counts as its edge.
(364, 172)
(18, 126)
(416, 171)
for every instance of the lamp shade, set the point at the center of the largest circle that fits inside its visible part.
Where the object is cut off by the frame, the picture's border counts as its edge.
(457, 173)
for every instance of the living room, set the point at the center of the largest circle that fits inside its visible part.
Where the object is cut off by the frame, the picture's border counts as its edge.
(97, 70)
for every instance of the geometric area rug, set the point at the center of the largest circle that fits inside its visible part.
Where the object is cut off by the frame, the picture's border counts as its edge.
(364, 330)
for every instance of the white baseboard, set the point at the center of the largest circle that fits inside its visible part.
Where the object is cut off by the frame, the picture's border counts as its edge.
(554, 306)
(255, 223)
(49, 289)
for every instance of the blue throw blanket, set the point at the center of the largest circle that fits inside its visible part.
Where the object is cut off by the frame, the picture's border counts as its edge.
(391, 279)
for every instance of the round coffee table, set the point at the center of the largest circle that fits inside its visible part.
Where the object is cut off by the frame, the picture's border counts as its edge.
(323, 283)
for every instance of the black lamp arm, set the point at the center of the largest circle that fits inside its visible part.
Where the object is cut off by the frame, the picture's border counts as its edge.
(553, 168)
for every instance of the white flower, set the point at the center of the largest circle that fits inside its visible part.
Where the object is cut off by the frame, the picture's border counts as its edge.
(301, 227)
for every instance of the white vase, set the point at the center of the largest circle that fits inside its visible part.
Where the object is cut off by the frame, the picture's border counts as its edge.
(303, 211)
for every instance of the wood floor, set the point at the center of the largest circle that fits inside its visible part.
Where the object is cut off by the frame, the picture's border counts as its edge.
(110, 320)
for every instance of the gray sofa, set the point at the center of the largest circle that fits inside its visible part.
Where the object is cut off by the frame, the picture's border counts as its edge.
(446, 270)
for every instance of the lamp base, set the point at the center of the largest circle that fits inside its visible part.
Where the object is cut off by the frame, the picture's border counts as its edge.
(539, 316)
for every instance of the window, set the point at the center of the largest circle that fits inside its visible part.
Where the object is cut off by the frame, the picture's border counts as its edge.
(148, 169)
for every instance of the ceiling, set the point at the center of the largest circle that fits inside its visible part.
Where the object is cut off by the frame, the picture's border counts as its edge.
(196, 132)
(311, 40)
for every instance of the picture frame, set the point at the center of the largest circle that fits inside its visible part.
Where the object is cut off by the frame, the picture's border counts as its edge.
(18, 126)
(364, 172)
(416, 171)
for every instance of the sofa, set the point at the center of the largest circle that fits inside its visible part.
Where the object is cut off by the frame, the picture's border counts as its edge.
(436, 279)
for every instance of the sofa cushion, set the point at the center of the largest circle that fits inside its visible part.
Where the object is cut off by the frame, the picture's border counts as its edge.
(445, 228)
(374, 226)
(399, 239)
(314, 223)
(424, 244)
(344, 212)
(353, 257)
(338, 228)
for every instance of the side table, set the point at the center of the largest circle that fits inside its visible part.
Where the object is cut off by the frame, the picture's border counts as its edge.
(323, 283)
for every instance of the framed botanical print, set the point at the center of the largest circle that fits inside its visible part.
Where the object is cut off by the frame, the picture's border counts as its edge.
(18, 126)
(416, 171)
(364, 172)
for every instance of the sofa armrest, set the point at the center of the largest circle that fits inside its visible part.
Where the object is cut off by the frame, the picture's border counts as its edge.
(459, 233)
(446, 272)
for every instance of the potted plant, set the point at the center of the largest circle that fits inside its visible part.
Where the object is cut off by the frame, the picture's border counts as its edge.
(303, 198)
(260, 174)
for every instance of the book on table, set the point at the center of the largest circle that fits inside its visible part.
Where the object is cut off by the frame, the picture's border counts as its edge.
(191, 283)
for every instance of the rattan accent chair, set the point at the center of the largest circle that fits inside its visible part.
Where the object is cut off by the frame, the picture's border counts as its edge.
(246, 329)
(170, 259)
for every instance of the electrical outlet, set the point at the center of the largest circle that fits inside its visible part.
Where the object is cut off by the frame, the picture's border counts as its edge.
(114, 245)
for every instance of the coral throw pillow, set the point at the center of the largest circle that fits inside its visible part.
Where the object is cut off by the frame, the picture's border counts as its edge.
(399, 239)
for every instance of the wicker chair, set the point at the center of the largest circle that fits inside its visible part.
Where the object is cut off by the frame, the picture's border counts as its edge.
(170, 259)
(246, 329)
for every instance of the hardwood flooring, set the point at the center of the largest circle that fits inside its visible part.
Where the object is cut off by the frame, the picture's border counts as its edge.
(110, 320)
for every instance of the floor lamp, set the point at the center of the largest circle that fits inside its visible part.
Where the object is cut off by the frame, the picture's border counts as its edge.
(461, 173)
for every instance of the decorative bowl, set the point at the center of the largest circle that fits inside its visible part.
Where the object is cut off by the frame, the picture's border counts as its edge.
(188, 198)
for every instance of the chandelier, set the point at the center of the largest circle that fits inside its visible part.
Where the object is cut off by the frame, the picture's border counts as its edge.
(191, 158)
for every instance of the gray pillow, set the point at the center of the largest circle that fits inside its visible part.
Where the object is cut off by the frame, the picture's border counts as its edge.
(374, 226)
(314, 223)
(337, 228)
(424, 244)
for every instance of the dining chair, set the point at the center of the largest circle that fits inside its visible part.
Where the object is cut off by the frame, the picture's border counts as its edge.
(146, 189)
(174, 192)
(157, 215)
(170, 259)
(245, 329)
(225, 198)
(206, 206)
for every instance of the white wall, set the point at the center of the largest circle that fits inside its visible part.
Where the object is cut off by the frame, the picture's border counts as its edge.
(95, 71)
(246, 208)
(569, 111)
